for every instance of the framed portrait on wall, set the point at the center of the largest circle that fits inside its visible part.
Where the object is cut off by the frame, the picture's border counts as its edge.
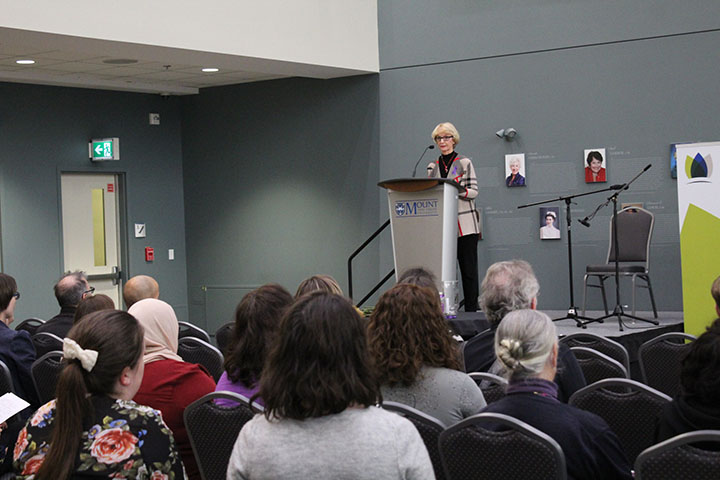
(595, 165)
(549, 217)
(515, 170)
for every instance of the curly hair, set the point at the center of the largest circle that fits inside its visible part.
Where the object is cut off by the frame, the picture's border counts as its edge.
(700, 371)
(407, 330)
(319, 363)
(257, 317)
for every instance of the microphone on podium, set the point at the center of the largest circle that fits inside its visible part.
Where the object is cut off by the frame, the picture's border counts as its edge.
(429, 147)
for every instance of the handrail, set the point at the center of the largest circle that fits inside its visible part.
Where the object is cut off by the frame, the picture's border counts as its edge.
(355, 254)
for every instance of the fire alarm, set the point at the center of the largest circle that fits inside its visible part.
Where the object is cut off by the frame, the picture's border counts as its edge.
(149, 254)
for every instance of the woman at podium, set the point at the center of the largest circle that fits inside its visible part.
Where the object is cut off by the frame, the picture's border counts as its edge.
(459, 168)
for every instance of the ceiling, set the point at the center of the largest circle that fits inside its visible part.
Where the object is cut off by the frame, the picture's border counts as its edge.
(90, 63)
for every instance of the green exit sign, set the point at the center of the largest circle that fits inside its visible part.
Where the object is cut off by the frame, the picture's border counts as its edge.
(104, 149)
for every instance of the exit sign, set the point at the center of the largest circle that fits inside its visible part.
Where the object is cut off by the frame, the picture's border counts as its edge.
(104, 149)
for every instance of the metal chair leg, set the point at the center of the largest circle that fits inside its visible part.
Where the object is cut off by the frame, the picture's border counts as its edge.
(633, 294)
(652, 297)
(585, 279)
(602, 290)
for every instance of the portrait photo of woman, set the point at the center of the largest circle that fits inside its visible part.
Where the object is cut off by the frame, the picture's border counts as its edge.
(595, 165)
(514, 169)
(549, 223)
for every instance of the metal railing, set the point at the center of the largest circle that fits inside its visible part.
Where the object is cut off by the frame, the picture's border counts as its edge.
(355, 254)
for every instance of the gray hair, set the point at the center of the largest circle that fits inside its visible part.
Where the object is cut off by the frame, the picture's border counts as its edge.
(508, 286)
(70, 288)
(419, 276)
(523, 343)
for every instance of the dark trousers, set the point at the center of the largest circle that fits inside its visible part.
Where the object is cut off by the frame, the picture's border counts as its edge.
(467, 258)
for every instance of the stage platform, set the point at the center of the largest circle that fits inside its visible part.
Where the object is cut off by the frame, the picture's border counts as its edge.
(632, 336)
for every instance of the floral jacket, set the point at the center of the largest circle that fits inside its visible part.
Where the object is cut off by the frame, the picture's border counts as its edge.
(121, 440)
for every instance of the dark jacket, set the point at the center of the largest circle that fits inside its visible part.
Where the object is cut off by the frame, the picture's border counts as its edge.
(60, 324)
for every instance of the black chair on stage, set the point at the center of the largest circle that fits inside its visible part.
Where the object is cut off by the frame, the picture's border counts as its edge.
(212, 430)
(223, 336)
(45, 342)
(660, 360)
(598, 366)
(611, 348)
(45, 373)
(629, 408)
(635, 227)
(194, 350)
(493, 386)
(470, 450)
(429, 429)
(30, 325)
(681, 457)
(190, 330)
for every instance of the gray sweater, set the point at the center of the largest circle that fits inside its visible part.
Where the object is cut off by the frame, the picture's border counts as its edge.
(358, 443)
(445, 394)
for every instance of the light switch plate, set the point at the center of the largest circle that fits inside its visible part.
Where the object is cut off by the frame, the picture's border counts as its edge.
(140, 230)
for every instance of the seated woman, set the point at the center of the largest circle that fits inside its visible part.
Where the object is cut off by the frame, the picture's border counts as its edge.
(697, 406)
(320, 421)
(417, 359)
(94, 429)
(323, 283)
(92, 304)
(256, 320)
(526, 344)
(169, 384)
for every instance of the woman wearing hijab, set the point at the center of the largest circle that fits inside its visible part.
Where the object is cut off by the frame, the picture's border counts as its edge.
(169, 383)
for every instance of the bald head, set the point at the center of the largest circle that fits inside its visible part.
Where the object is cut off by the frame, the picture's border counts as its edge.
(138, 288)
(71, 288)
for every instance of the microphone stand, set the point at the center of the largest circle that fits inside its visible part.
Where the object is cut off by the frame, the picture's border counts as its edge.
(429, 147)
(572, 309)
(618, 310)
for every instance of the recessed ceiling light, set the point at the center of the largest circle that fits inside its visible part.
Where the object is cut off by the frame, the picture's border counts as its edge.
(120, 61)
(210, 70)
(26, 61)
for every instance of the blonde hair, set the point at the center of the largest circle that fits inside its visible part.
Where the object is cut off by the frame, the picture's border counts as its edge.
(324, 283)
(446, 127)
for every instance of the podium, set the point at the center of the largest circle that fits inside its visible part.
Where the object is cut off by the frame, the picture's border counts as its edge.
(423, 221)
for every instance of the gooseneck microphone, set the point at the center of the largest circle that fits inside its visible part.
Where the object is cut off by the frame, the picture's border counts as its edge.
(584, 222)
(429, 147)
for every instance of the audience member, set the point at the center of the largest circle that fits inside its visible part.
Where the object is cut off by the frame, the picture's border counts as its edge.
(139, 288)
(526, 344)
(69, 290)
(509, 286)
(323, 283)
(417, 359)
(320, 421)
(169, 384)
(715, 290)
(419, 276)
(93, 304)
(256, 320)
(94, 429)
(697, 406)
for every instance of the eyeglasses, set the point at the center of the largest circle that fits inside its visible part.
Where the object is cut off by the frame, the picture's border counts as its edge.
(90, 291)
(16, 295)
(447, 138)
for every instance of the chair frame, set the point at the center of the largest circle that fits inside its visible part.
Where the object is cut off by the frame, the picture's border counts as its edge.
(416, 415)
(660, 338)
(491, 378)
(513, 424)
(672, 443)
(610, 263)
(203, 343)
(254, 406)
(605, 358)
(196, 331)
(30, 321)
(45, 335)
(230, 326)
(53, 353)
(581, 337)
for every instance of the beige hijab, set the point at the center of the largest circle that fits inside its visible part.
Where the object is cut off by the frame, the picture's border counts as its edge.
(161, 329)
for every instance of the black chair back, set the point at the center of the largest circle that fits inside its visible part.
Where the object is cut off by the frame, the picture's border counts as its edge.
(194, 350)
(660, 360)
(470, 450)
(223, 336)
(598, 366)
(45, 342)
(429, 429)
(677, 458)
(45, 372)
(629, 408)
(611, 348)
(30, 325)
(6, 381)
(190, 330)
(212, 430)
(493, 386)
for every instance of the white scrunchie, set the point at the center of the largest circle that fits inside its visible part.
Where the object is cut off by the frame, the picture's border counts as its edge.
(71, 350)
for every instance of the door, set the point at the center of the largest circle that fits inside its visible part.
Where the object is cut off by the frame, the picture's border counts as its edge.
(91, 230)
